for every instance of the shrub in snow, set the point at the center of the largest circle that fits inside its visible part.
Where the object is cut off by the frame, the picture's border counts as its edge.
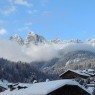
(35, 81)
(47, 80)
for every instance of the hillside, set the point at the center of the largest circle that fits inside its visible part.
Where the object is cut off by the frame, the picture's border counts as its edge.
(21, 72)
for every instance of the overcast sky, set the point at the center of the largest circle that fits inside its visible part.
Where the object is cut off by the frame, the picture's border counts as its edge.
(64, 19)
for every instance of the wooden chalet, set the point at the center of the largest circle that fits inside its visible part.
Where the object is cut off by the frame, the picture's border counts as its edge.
(72, 74)
(69, 90)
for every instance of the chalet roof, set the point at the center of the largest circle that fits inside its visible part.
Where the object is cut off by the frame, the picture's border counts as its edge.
(44, 88)
(90, 72)
(76, 71)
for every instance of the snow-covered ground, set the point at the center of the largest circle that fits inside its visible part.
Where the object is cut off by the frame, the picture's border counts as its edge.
(4, 83)
(43, 88)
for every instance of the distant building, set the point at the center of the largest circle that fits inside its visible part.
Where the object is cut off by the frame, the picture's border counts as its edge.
(2, 88)
(3, 85)
(71, 74)
(91, 72)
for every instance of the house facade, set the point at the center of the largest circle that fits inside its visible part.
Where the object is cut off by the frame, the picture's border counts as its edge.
(72, 74)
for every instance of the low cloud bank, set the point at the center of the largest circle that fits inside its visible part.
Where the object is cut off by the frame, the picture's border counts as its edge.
(42, 52)
(78, 46)
(14, 52)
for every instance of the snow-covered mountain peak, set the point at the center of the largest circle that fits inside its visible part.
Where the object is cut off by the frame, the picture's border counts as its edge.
(31, 38)
(72, 41)
(34, 38)
(91, 40)
(17, 38)
(31, 33)
(57, 41)
(75, 41)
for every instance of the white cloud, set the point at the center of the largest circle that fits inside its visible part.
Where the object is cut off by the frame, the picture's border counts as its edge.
(3, 31)
(44, 52)
(22, 2)
(12, 51)
(32, 11)
(69, 47)
(24, 29)
(28, 24)
(9, 10)
(47, 13)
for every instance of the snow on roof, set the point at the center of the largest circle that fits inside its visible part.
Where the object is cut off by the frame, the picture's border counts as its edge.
(43, 88)
(89, 71)
(76, 71)
(90, 89)
(3, 83)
